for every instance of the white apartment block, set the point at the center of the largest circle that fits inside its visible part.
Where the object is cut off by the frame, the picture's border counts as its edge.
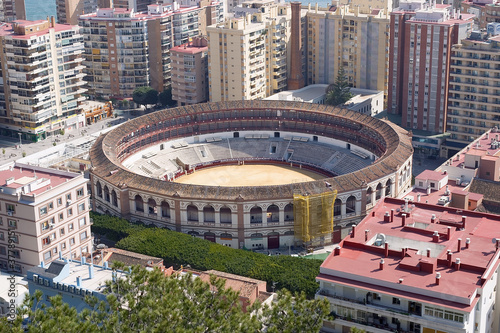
(43, 212)
(248, 53)
(41, 80)
(473, 101)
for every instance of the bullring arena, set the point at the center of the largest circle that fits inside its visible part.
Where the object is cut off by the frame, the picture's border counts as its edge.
(228, 171)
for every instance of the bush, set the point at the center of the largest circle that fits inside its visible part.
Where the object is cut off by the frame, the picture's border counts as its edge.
(292, 273)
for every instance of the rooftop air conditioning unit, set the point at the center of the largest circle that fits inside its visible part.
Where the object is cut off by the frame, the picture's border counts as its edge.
(68, 202)
(10, 213)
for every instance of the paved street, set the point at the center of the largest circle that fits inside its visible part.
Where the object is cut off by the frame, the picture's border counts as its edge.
(12, 152)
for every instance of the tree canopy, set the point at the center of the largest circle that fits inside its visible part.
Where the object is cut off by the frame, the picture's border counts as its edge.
(292, 273)
(339, 92)
(145, 96)
(165, 97)
(147, 301)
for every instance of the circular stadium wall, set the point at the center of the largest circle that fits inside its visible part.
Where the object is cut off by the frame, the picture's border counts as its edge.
(138, 168)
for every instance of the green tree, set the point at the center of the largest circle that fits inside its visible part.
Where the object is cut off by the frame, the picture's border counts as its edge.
(147, 301)
(165, 97)
(145, 96)
(356, 330)
(339, 92)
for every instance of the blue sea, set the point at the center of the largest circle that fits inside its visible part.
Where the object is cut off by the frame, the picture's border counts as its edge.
(40, 9)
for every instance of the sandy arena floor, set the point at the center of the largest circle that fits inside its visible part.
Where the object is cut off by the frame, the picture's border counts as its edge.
(248, 175)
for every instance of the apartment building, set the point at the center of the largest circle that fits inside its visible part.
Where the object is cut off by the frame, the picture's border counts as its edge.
(415, 267)
(11, 10)
(43, 212)
(248, 53)
(347, 38)
(366, 6)
(68, 11)
(484, 11)
(190, 72)
(421, 37)
(42, 83)
(474, 102)
(125, 50)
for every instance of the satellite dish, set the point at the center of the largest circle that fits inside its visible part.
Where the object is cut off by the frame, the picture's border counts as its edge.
(494, 240)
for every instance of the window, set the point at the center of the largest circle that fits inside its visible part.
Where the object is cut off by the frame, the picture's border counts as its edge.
(80, 193)
(61, 217)
(12, 224)
(82, 222)
(43, 210)
(51, 205)
(47, 255)
(10, 208)
(61, 231)
(1, 221)
(15, 253)
(1, 236)
(45, 225)
(72, 241)
(68, 196)
(46, 241)
(81, 208)
(70, 226)
(396, 300)
(3, 251)
(70, 211)
(63, 246)
(83, 236)
(59, 201)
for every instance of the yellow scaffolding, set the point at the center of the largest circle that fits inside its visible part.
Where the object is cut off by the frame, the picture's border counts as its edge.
(313, 215)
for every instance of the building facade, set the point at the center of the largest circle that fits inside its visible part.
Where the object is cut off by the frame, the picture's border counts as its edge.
(190, 72)
(414, 267)
(44, 212)
(11, 10)
(473, 102)
(484, 11)
(125, 50)
(68, 11)
(348, 39)
(248, 53)
(42, 78)
(422, 35)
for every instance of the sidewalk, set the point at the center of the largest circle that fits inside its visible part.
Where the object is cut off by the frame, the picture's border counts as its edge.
(14, 151)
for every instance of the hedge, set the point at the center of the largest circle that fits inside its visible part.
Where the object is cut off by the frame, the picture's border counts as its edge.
(292, 273)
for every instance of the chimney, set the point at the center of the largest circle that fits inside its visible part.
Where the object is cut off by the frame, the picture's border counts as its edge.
(459, 245)
(457, 264)
(448, 257)
(52, 21)
(353, 232)
(387, 217)
(448, 235)
(435, 237)
(403, 220)
(42, 264)
(366, 234)
(373, 213)
(428, 190)
(463, 221)
(91, 271)
(381, 265)
(438, 277)
(60, 255)
(428, 253)
(392, 215)
(403, 252)
(295, 78)
(433, 218)
(386, 249)
(83, 260)
(418, 197)
(336, 252)
(467, 243)
(78, 281)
